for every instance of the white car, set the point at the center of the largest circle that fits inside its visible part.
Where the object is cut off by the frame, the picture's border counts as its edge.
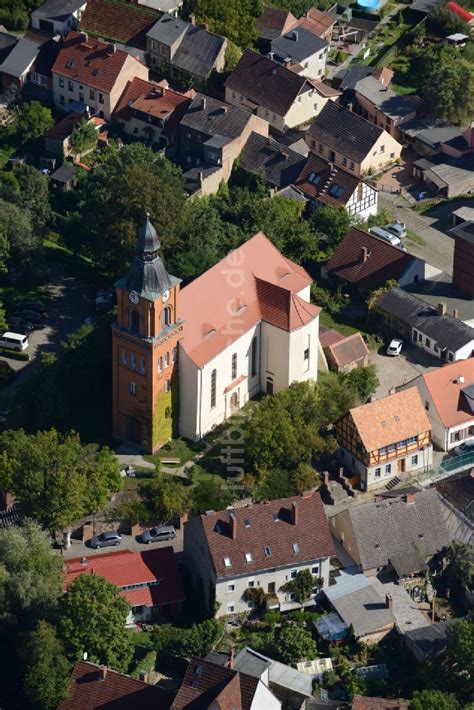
(395, 347)
(467, 447)
(399, 229)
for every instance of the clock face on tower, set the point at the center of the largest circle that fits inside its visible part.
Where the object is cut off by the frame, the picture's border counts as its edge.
(165, 296)
(133, 297)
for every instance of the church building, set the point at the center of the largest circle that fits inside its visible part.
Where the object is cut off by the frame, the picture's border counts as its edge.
(184, 361)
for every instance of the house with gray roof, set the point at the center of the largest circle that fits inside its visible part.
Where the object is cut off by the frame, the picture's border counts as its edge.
(278, 164)
(7, 42)
(382, 106)
(57, 16)
(184, 50)
(29, 61)
(302, 51)
(397, 535)
(430, 328)
(428, 642)
(445, 176)
(212, 135)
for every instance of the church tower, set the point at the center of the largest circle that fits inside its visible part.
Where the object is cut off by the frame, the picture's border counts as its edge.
(145, 348)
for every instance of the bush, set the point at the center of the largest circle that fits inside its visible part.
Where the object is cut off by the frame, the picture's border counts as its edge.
(331, 301)
(14, 354)
(146, 664)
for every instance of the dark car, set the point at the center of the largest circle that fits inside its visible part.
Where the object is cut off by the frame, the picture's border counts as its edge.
(32, 316)
(165, 532)
(106, 539)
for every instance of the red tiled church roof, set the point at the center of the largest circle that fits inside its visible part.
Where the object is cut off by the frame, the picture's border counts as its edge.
(269, 290)
(125, 568)
(255, 528)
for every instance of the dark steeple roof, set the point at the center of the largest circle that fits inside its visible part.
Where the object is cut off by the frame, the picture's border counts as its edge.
(148, 275)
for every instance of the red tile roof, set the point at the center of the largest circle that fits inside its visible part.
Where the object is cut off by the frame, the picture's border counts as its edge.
(207, 684)
(445, 387)
(115, 691)
(348, 350)
(329, 336)
(256, 528)
(329, 178)
(64, 128)
(316, 21)
(365, 703)
(125, 568)
(91, 63)
(118, 21)
(384, 262)
(271, 284)
(155, 100)
(461, 12)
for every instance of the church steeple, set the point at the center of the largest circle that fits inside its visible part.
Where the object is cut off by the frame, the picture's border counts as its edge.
(148, 276)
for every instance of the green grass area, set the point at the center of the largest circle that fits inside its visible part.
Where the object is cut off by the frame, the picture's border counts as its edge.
(415, 238)
(180, 448)
(330, 321)
(140, 637)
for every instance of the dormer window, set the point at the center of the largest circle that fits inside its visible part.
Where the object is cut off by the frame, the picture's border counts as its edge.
(246, 523)
(276, 517)
(248, 557)
(296, 548)
(69, 63)
(227, 562)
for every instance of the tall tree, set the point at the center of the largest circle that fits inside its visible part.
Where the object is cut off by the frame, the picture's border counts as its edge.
(331, 225)
(33, 194)
(46, 681)
(20, 247)
(433, 700)
(93, 616)
(34, 120)
(54, 477)
(30, 575)
(295, 644)
(235, 19)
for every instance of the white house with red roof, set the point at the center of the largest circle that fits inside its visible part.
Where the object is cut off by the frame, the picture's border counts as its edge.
(263, 545)
(448, 396)
(148, 580)
(88, 72)
(249, 327)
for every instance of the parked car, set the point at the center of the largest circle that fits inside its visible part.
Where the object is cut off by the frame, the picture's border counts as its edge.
(388, 237)
(395, 347)
(397, 228)
(467, 447)
(106, 539)
(165, 532)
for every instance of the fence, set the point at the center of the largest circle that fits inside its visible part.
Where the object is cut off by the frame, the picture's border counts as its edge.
(449, 466)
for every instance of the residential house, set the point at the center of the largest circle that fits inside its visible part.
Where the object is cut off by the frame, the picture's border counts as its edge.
(148, 580)
(431, 329)
(65, 176)
(325, 184)
(445, 176)
(385, 439)
(351, 142)
(382, 106)
(212, 135)
(346, 79)
(273, 92)
(91, 73)
(95, 687)
(302, 52)
(456, 494)
(57, 17)
(448, 395)
(359, 605)
(268, 341)
(288, 684)
(463, 262)
(319, 23)
(116, 21)
(363, 262)
(420, 9)
(276, 162)
(347, 353)
(461, 215)
(28, 63)
(57, 138)
(151, 112)
(262, 545)
(273, 23)
(400, 535)
(428, 135)
(209, 686)
(428, 642)
(172, 7)
(185, 50)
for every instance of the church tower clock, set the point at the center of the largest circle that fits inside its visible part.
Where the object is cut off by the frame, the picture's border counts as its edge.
(145, 348)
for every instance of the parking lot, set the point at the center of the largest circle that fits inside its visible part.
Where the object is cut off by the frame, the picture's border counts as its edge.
(129, 542)
(397, 371)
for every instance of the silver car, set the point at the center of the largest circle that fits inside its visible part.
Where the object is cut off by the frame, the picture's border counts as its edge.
(106, 539)
(164, 532)
(397, 228)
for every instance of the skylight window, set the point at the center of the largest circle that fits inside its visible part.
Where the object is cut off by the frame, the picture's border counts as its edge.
(336, 190)
(246, 523)
(227, 562)
(314, 178)
(69, 63)
(267, 551)
(194, 683)
(296, 548)
(276, 517)
(248, 557)
(198, 670)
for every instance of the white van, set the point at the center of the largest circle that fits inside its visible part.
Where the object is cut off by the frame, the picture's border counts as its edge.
(383, 234)
(14, 341)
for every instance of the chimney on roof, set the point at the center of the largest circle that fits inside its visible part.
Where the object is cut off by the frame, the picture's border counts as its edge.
(112, 47)
(326, 478)
(372, 398)
(364, 254)
(144, 676)
(233, 526)
(270, 55)
(203, 102)
(294, 35)
(84, 36)
(349, 106)
(200, 176)
(192, 19)
(102, 672)
(294, 513)
(284, 155)
(83, 560)
(392, 390)
(409, 498)
(205, 26)
(455, 313)
(442, 308)
(388, 601)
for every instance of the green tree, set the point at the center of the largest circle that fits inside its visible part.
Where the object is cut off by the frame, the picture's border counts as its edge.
(234, 19)
(20, 247)
(232, 56)
(92, 620)
(210, 494)
(459, 572)
(304, 477)
(83, 137)
(33, 194)
(295, 645)
(363, 380)
(3, 320)
(203, 637)
(331, 225)
(281, 220)
(302, 586)
(166, 497)
(54, 477)
(460, 650)
(433, 700)
(46, 681)
(444, 22)
(30, 575)
(34, 119)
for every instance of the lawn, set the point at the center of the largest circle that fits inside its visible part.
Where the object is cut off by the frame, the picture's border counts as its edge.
(179, 448)
(415, 238)
(330, 321)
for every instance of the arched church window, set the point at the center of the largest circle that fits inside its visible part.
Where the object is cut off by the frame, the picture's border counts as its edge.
(166, 316)
(134, 320)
